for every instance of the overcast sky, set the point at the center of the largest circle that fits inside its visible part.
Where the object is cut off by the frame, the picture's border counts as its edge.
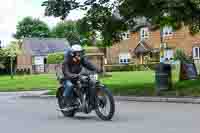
(12, 11)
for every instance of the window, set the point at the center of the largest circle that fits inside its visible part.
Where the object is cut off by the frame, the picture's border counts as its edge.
(39, 60)
(144, 33)
(196, 52)
(126, 35)
(168, 54)
(167, 31)
(124, 58)
(151, 55)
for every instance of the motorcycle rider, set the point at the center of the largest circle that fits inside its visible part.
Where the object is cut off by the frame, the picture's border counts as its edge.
(72, 66)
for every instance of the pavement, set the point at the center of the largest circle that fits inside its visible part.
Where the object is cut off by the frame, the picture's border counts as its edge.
(39, 115)
(25, 93)
(42, 95)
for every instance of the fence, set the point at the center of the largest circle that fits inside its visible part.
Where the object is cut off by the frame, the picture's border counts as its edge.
(39, 68)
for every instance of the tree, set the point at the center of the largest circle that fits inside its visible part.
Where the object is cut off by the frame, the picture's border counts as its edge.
(2, 59)
(99, 18)
(66, 29)
(59, 8)
(30, 27)
(158, 11)
(12, 51)
(85, 31)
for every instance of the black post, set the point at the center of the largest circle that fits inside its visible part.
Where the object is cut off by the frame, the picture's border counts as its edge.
(11, 67)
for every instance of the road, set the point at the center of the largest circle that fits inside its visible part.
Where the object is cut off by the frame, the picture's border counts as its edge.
(40, 116)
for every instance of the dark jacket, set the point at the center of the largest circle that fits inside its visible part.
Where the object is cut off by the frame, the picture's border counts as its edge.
(70, 69)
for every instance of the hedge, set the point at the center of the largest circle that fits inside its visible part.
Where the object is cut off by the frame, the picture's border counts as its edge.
(55, 58)
(23, 71)
(130, 67)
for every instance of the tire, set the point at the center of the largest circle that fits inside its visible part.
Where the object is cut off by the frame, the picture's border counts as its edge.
(112, 106)
(60, 99)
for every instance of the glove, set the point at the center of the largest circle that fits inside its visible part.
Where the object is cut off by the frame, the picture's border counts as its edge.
(75, 76)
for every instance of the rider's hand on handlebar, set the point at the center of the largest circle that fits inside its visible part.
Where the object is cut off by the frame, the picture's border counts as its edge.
(75, 76)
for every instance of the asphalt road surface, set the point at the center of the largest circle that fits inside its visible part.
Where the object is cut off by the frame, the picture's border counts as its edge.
(19, 115)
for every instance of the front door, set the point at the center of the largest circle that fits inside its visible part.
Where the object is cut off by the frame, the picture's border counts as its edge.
(141, 56)
(39, 64)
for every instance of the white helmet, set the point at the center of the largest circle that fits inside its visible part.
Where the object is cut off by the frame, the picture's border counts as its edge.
(76, 48)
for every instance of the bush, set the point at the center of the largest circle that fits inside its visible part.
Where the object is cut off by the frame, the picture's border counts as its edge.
(130, 67)
(181, 56)
(55, 58)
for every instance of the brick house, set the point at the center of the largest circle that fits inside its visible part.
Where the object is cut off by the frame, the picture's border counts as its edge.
(141, 45)
(35, 51)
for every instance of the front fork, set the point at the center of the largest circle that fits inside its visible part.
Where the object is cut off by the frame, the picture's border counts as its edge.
(94, 94)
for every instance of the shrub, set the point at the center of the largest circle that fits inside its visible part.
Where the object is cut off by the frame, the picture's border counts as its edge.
(181, 56)
(130, 67)
(55, 58)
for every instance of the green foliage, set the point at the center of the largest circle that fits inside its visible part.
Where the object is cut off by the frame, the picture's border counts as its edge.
(99, 18)
(12, 50)
(66, 29)
(59, 8)
(30, 27)
(2, 59)
(86, 32)
(168, 20)
(195, 28)
(55, 58)
(181, 56)
(160, 12)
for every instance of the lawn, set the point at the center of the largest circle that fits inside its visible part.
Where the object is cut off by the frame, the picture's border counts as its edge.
(28, 82)
(124, 83)
(131, 83)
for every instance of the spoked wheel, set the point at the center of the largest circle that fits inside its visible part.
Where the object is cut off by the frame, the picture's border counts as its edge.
(105, 104)
(62, 104)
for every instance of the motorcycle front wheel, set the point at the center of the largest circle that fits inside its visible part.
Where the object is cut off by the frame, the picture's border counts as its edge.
(105, 105)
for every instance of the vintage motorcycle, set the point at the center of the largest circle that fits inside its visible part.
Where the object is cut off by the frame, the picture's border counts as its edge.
(103, 103)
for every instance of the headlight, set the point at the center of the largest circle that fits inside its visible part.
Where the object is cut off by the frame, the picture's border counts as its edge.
(94, 77)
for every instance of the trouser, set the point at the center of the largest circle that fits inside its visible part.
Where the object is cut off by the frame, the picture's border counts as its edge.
(68, 89)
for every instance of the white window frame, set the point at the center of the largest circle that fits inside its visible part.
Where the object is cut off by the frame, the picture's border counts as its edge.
(196, 52)
(168, 54)
(144, 33)
(39, 60)
(167, 31)
(124, 58)
(126, 35)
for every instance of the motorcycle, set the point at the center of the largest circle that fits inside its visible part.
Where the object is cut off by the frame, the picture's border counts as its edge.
(103, 102)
